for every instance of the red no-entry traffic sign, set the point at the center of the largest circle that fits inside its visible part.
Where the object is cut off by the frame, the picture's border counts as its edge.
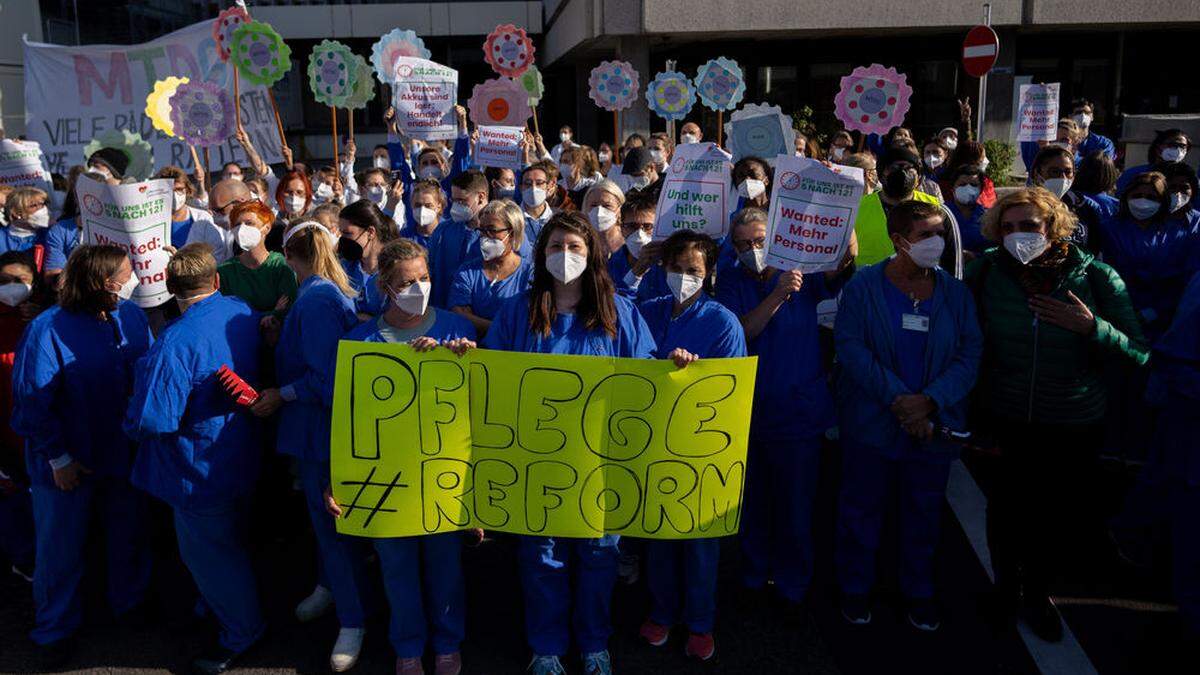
(980, 50)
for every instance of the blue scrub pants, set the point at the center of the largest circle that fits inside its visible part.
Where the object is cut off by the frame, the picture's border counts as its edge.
(553, 607)
(212, 546)
(424, 583)
(340, 557)
(682, 576)
(872, 484)
(777, 505)
(1185, 544)
(17, 541)
(62, 519)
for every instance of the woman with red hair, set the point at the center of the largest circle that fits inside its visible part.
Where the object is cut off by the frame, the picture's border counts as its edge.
(256, 275)
(295, 199)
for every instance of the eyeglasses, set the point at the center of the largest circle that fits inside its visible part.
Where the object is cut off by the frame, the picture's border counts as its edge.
(491, 233)
(744, 244)
(632, 227)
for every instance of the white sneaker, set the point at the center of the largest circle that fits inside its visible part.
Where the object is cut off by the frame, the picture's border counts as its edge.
(317, 603)
(346, 649)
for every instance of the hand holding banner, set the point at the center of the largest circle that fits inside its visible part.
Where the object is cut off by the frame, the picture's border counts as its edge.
(1037, 113)
(695, 192)
(424, 94)
(135, 217)
(813, 208)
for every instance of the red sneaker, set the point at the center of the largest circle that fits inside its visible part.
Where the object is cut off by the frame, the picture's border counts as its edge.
(409, 666)
(700, 646)
(447, 664)
(655, 634)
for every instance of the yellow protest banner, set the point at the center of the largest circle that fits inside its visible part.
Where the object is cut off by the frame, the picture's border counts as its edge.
(564, 446)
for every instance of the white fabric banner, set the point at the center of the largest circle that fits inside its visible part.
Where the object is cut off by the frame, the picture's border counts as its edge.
(1037, 113)
(695, 192)
(424, 95)
(500, 147)
(812, 214)
(137, 218)
(74, 93)
(21, 164)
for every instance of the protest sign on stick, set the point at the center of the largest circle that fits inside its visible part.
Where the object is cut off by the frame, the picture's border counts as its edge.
(812, 214)
(424, 94)
(22, 164)
(137, 218)
(546, 444)
(1037, 113)
(500, 147)
(695, 192)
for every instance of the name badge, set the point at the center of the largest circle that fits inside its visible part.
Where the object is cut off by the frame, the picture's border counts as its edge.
(915, 322)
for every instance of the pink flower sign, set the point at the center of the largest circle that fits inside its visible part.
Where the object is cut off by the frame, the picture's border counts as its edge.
(509, 50)
(873, 100)
(224, 25)
(499, 103)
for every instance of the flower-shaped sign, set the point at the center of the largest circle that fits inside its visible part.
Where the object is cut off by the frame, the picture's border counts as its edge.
(760, 130)
(720, 84)
(671, 95)
(614, 85)
(531, 81)
(224, 25)
(202, 113)
(137, 150)
(508, 50)
(158, 103)
(873, 100)
(259, 54)
(364, 85)
(499, 103)
(331, 73)
(392, 46)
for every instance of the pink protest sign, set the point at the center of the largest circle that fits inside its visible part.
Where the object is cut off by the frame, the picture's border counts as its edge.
(873, 100)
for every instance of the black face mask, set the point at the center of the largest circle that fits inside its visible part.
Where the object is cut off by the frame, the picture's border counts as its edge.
(899, 183)
(349, 250)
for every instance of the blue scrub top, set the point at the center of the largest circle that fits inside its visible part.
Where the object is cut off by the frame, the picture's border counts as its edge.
(305, 359)
(910, 344)
(510, 332)
(71, 384)
(446, 326)
(791, 395)
(180, 230)
(449, 247)
(706, 328)
(410, 233)
(10, 242)
(653, 283)
(61, 238)
(1093, 142)
(483, 296)
(196, 447)
(369, 299)
(402, 164)
(969, 230)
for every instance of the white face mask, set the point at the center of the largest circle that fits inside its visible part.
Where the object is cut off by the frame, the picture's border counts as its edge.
(103, 171)
(639, 182)
(1084, 120)
(39, 219)
(751, 188)
(684, 286)
(179, 200)
(234, 176)
(414, 299)
(425, 216)
(602, 219)
(637, 240)
(324, 192)
(966, 194)
(1025, 246)
(983, 164)
(564, 137)
(799, 153)
(254, 196)
(377, 195)
(657, 156)
(1173, 154)
(566, 266)
(927, 252)
(534, 196)
(837, 152)
(933, 161)
(755, 260)
(14, 293)
(126, 290)
(381, 162)
(430, 172)
(247, 237)
(294, 205)
(604, 157)
(950, 143)
(1143, 208)
(460, 213)
(1058, 186)
(492, 248)
(688, 139)
(1177, 200)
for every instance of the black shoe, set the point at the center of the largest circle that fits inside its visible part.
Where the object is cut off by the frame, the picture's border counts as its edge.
(54, 655)
(215, 660)
(923, 614)
(1043, 617)
(856, 609)
(23, 571)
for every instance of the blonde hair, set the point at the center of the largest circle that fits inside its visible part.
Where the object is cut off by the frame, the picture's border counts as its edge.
(507, 212)
(327, 215)
(608, 186)
(1060, 222)
(1073, 130)
(313, 244)
(431, 186)
(191, 269)
(20, 199)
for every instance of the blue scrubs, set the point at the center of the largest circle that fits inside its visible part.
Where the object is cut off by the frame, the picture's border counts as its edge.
(653, 283)
(398, 153)
(687, 570)
(552, 607)
(1093, 142)
(472, 288)
(11, 242)
(450, 246)
(61, 238)
(180, 230)
(969, 229)
(410, 233)
(199, 453)
(422, 576)
(305, 359)
(370, 300)
(71, 383)
(792, 411)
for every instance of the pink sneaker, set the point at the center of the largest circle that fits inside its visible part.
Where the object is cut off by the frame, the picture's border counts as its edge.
(700, 646)
(410, 666)
(447, 664)
(655, 634)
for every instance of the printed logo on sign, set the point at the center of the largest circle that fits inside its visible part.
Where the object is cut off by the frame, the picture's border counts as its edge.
(142, 188)
(789, 181)
(404, 70)
(93, 205)
(677, 165)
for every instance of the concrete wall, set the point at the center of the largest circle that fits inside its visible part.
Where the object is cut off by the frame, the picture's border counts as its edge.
(440, 18)
(16, 19)
(1092, 12)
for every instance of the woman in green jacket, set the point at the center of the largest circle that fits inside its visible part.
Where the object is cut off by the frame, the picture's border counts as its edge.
(1053, 319)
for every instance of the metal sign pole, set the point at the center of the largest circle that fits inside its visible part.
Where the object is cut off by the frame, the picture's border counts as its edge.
(987, 21)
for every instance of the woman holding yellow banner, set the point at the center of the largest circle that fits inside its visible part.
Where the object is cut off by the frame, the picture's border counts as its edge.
(572, 308)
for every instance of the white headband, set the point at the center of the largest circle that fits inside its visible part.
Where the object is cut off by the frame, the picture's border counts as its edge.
(305, 225)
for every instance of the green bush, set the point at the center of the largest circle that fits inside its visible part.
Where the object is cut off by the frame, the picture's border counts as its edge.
(1001, 155)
